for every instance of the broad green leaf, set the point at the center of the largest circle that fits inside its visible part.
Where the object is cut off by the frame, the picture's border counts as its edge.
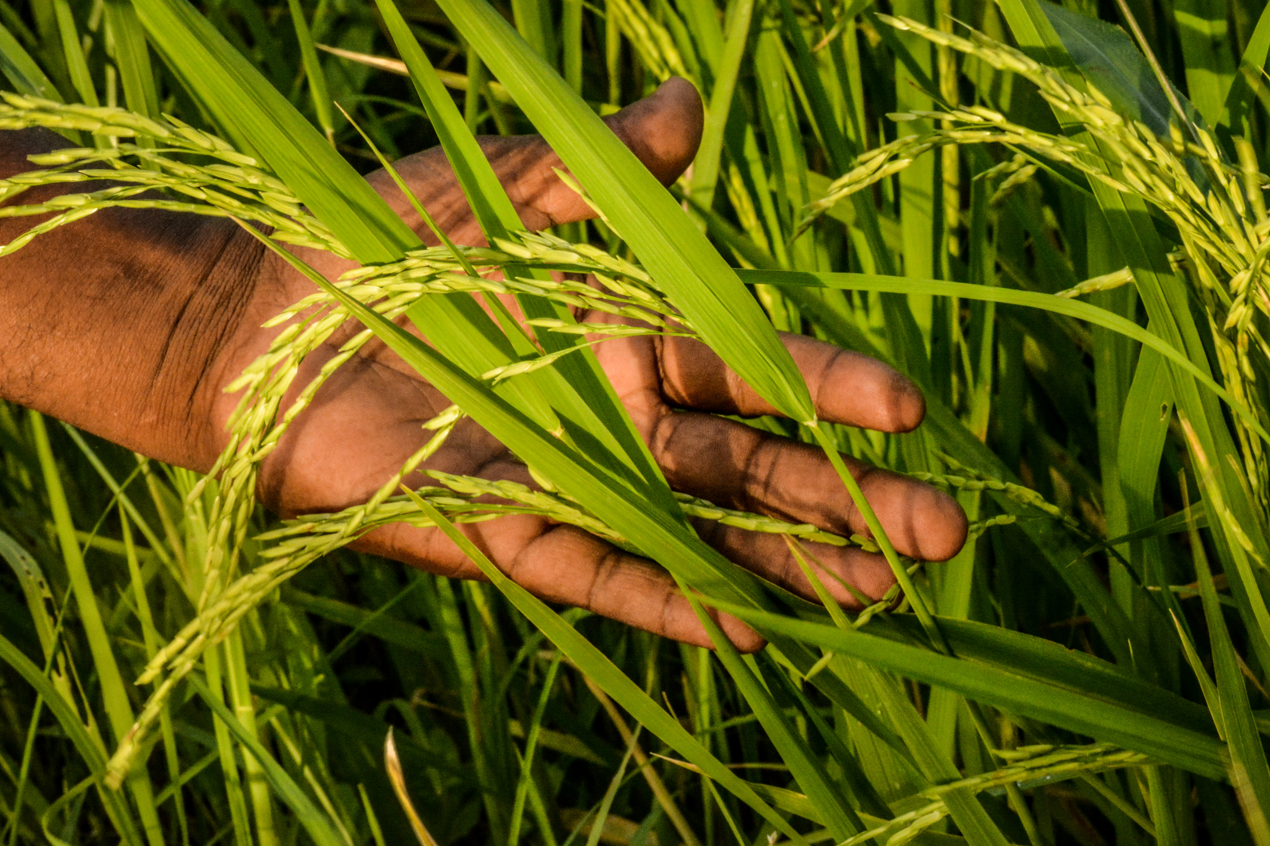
(1053, 664)
(1109, 59)
(1198, 752)
(1249, 77)
(22, 71)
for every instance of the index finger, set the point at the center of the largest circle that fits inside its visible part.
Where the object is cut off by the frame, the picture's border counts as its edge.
(847, 387)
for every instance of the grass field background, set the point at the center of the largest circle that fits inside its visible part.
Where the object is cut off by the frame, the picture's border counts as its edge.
(1062, 238)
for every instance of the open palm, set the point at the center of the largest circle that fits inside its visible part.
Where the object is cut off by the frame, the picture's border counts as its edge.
(367, 419)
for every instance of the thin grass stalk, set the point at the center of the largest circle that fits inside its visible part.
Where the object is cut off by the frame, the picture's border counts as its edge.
(113, 691)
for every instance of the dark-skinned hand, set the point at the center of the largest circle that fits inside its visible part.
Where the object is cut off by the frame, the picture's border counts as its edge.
(153, 314)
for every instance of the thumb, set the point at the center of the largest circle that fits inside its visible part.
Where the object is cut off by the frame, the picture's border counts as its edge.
(663, 130)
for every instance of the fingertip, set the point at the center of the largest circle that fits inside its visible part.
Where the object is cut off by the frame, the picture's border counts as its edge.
(922, 521)
(663, 129)
(867, 573)
(856, 389)
(689, 629)
(873, 577)
(909, 407)
(946, 528)
(680, 101)
(744, 638)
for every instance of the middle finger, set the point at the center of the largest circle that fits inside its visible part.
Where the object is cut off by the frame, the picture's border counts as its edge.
(737, 466)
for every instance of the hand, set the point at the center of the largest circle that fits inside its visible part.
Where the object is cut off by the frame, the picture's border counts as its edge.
(367, 419)
(170, 311)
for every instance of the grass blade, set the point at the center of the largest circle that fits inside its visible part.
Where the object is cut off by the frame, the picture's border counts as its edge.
(251, 112)
(114, 691)
(313, 70)
(1249, 770)
(86, 743)
(1009, 296)
(1192, 750)
(609, 678)
(1247, 79)
(311, 819)
(576, 377)
(806, 770)
(674, 251)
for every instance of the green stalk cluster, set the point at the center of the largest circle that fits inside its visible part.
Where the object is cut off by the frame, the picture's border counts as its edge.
(1225, 235)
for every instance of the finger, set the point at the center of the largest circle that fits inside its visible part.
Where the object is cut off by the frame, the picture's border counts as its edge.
(846, 387)
(737, 466)
(768, 555)
(567, 565)
(663, 130)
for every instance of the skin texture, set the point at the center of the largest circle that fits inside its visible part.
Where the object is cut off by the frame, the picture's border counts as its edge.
(130, 323)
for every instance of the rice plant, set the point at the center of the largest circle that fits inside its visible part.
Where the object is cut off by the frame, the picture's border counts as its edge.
(1054, 226)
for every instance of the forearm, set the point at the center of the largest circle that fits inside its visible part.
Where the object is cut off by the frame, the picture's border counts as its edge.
(129, 323)
(119, 323)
